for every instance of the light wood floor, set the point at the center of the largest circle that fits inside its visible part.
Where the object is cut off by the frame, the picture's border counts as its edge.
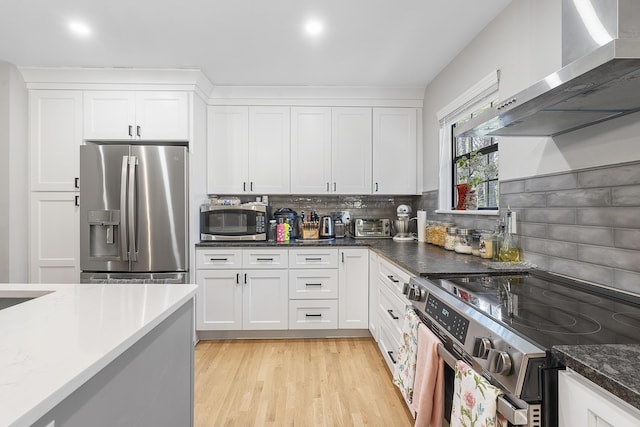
(302, 382)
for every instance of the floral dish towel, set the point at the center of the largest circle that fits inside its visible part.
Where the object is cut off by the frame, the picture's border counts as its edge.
(405, 368)
(474, 400)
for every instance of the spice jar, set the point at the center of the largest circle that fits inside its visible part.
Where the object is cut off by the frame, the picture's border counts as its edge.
(486, 244)
(450, 238)
(463, 241)
(475, 244)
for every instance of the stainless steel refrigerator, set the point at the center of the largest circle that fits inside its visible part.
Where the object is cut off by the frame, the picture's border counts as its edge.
(133, 213)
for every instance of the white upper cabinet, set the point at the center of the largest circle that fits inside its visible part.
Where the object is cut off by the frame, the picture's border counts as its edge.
(351, 150)
(125, 115)
(227, 149)
(269, 150)
(311, 150)
(248, 150)
(394, 151)
(55, 135)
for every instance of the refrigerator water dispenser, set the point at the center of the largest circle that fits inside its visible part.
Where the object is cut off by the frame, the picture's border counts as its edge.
(104, 231)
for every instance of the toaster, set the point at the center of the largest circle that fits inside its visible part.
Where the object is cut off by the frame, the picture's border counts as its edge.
(370, 228)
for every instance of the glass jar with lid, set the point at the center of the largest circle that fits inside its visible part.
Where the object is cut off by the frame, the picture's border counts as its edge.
(475, 243)
(486, 244)
(442, 232)
(463, 241)
(429, 232)
(450, 238)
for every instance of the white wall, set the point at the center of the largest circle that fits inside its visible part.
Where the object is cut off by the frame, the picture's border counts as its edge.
(13, 175)
(524, 43)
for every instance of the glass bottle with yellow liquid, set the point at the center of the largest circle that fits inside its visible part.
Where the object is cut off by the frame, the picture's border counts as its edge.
(509, 251)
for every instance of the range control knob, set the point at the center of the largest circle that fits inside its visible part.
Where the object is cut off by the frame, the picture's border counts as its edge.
(499, 362)
(481, 347)
(415, 293)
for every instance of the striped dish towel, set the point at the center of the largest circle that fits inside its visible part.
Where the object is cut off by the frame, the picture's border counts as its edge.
(405, 368)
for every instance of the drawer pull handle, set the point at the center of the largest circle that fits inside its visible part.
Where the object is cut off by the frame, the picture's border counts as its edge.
(237, 278)
(313, 259)
(313, 315)
(218, 259)
(245, 278)
(393, 316)
(264, 259)
(390, 353)
(393, 279)
(313, 284)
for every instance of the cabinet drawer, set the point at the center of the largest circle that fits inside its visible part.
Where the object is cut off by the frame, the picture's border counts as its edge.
(219, 258)
(393, 276)
(391, 310)
(270, 258)
(313, 284)
(313, 258)
(389, 345)
(313, 314)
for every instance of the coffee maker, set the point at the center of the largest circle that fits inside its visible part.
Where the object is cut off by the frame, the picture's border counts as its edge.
(401, 224)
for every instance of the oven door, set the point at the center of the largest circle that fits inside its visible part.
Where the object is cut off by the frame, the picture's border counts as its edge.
(232, 223)
(515, 416)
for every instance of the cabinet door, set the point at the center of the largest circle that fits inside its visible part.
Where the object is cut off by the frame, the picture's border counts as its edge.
(351, 150)
(311, 150)
(265, 299)
(394, 150)
(109, 115)
(373, 294)
(353, 289)
(227, 150)
(583, 403)
(219, 299)
(54, 238)
(269, 150)
(55, 122)
(162, 116)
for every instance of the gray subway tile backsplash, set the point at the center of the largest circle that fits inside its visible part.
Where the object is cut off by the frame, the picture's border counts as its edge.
(584, 224)
(580, 197)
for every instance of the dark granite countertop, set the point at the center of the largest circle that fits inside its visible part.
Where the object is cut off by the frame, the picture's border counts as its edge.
(420, 259)
(614, 367)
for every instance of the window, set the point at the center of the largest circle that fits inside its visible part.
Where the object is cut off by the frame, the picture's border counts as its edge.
(473, 160)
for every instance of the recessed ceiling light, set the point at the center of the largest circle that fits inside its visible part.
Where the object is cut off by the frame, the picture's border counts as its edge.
(314, 28)
(79, 28)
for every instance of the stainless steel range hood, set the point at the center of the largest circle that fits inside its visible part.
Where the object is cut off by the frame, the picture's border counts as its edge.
(600, 79)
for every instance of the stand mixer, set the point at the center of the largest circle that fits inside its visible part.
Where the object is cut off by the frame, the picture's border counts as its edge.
(401, 224)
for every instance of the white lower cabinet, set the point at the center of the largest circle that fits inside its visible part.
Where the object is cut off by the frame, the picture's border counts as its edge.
(373, 298)
(583, 403)
(313, 288)
(389, 307)
(353, 283)
(233, 295)
(54, 234)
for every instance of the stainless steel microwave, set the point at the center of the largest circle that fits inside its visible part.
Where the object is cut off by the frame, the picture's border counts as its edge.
(233, 223)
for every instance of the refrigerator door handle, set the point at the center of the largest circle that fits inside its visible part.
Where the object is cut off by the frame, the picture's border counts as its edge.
(124, 252)
(131, 211)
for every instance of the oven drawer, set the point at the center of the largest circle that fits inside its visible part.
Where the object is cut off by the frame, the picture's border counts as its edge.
(313, 314)
(393, 277)
(313, 258)
(313, 284)
(263, 259)
(219, 258)
(389, 344)
(391, 310)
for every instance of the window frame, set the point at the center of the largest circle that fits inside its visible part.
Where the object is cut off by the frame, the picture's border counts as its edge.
(472, 99)
(492, 148)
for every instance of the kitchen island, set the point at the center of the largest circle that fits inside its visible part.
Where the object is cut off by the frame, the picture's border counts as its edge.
(96, 355)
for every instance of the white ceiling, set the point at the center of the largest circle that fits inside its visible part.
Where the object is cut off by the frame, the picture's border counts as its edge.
(250, 42)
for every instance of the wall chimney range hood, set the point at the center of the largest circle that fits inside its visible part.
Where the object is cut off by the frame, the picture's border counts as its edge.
(599, 80)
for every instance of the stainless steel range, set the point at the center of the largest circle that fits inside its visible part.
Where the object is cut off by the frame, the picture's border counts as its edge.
(505, 327)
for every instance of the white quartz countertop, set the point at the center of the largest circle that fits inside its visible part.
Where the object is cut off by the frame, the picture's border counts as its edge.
(52, 344)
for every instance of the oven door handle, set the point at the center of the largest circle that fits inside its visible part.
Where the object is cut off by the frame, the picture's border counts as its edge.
(516, 416)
